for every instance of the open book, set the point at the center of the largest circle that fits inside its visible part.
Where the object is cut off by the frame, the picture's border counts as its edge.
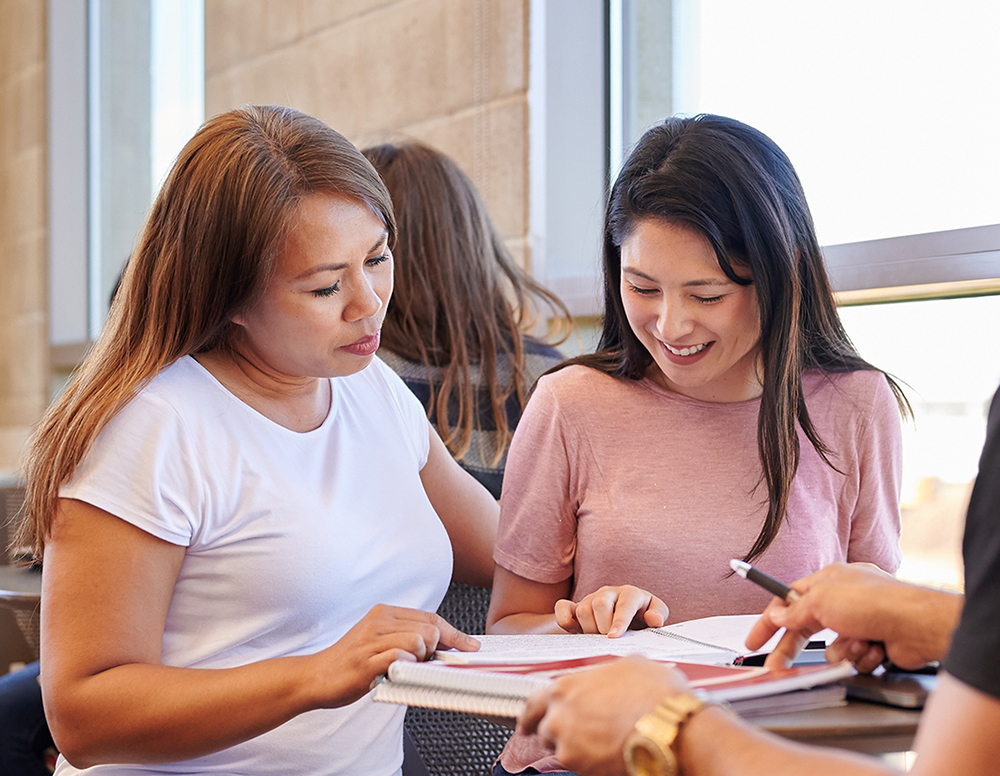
(496, 680)
(499, 691)
(717, 640)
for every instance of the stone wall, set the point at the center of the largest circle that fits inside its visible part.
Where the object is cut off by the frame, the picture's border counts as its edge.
(452, 73)
(24, 351)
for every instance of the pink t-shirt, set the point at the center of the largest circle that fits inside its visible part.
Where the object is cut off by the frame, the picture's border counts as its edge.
(613, 482)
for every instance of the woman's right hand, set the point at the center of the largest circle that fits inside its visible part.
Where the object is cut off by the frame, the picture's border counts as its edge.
(346, 670)
(875, 615)
(611, 610)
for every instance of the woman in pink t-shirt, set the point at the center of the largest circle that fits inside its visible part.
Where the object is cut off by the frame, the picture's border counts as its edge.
(725, 414)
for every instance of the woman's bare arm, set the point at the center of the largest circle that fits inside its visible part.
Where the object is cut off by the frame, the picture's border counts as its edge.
(107, 587)
(468, 511)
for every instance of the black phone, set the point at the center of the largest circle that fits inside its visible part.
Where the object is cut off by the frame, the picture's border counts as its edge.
(905, 690)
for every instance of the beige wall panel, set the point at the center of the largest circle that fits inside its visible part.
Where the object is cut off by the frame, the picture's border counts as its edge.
(334, 61)
(281, 78)
(25, 275)
(22, 34)
(31, 361)
(505, 173)
(318, 14)
(12, 439)
(8, 123)
(23, 185)
(22, 129)
(244, 29)
(417, 61)
(506, 46)
(221, 92)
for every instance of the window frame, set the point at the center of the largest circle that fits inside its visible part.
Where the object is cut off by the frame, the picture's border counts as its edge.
(954, 262)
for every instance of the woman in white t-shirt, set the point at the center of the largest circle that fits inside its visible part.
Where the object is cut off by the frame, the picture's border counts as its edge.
(244, 515)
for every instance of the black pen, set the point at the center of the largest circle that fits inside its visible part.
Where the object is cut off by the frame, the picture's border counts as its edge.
(770, 584)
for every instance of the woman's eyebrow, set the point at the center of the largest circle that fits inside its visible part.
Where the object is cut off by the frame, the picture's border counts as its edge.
(700, 283)
(343, 265)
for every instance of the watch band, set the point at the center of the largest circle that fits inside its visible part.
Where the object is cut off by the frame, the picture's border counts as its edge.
(649, 749)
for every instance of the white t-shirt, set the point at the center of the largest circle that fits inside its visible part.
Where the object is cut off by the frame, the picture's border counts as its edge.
(291, 538)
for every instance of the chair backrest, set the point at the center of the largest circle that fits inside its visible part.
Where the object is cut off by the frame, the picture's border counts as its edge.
(25, 614)
(453, 744)
(11, 501)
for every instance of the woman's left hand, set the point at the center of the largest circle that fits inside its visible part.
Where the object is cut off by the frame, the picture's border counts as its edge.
(611, 610)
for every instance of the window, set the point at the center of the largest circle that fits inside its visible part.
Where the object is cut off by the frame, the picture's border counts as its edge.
(126, 85)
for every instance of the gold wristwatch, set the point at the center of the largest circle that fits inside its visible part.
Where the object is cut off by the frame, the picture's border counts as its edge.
(649, 749)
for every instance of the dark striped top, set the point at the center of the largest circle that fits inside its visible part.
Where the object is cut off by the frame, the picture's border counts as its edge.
(478, 459)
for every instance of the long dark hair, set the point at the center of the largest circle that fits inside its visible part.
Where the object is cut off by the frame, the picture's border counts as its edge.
(459, 299)
(734, 186)
(204, 255)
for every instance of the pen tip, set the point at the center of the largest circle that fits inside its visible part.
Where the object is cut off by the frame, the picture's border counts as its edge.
(738, 565)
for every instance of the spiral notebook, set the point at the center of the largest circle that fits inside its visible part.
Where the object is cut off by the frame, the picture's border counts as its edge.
(500, 691)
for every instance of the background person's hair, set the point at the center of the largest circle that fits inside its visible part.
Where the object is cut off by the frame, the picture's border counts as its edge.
(460, 300)
(204, 255)
(735, 187)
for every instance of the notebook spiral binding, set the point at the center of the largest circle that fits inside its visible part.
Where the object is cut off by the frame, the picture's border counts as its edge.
(689, 640)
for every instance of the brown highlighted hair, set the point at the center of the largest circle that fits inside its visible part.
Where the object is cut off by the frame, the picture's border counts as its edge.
(204, 255)
(736, 188)
(459, 298)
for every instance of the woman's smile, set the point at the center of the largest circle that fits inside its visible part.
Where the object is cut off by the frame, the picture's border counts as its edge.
(686, 354)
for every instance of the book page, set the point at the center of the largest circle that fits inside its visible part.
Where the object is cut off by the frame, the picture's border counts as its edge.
(542, 648)
(714, 640)
(730, 632)
(726, 631)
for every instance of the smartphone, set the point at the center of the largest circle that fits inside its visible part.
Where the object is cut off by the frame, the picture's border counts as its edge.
(905, 690)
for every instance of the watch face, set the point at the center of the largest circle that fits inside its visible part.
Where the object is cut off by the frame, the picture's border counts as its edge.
(645, 757)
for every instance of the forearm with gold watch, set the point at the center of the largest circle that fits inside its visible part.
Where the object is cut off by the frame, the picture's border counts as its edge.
(651, 748)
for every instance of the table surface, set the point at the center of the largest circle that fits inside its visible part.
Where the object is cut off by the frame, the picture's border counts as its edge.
(872, 728)
(20, 585)
(869, 728)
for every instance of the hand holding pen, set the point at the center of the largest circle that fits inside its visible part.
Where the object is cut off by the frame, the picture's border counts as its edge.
(875, 614)
(804, 621)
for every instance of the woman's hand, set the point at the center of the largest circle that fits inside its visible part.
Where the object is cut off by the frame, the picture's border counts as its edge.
(346, 670)
(611, 610)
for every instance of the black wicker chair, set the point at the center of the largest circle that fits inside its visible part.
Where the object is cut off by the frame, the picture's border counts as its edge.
(25, 611)
(453, 744)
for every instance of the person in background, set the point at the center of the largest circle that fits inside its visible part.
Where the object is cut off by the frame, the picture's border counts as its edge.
(590, 719)
(242, 515)
(458, 329)
(458, 333)
(724, 415)
(26, 747)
